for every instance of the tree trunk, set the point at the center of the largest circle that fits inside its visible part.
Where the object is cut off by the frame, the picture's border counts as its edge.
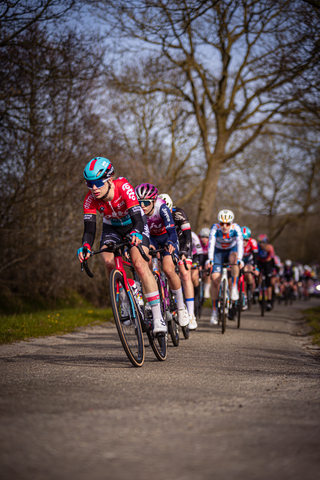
(206, 214)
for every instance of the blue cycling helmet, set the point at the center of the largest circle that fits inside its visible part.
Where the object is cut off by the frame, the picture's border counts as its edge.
(97, 171)
(246, 232)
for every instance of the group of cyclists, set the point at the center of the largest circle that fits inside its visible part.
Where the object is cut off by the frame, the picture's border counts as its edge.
(149, 218)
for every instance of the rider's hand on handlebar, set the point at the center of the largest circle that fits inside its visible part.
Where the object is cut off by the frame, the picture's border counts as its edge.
(135, 237)
(84, 252)
(241, 264)
(170, 247)
(208, 264)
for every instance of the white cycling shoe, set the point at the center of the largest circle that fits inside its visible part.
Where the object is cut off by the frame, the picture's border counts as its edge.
(159, 326)
(192, 322)
(183, 317)
(214, 317)
(234, 294)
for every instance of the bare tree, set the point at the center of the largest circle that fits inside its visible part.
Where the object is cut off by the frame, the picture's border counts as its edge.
(233, 66)
(19, 15)
(48, 131)
(273, 186)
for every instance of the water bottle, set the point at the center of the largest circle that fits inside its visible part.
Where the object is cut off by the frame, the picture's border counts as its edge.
(139, 293)
(155, 264)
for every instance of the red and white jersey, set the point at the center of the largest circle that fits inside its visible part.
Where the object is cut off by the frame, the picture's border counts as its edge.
(252, 246)
(114, 212)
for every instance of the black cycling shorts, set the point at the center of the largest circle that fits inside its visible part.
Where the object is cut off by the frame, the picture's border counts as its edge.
(116, 235)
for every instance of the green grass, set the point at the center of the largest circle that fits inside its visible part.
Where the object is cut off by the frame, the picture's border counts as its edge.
(50, 322)
(312, 316)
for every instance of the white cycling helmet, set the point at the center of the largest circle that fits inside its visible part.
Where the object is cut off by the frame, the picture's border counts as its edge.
(288, 263)
(225, 216)
(167, 199)
(204, 232)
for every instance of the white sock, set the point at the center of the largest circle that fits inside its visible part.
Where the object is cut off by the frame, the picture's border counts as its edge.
(190, 306)
(179, 298)
(154, 301)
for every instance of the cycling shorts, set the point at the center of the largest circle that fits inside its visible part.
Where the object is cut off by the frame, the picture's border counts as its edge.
(111, 234)
(267, 269)
(221, 256)
(159, 241)
(248, 260)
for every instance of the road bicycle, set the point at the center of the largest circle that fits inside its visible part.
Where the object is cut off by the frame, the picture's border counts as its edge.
(185, 330)
(263, 293)
(198, 294)
(224, 300)
(130, 319)
(167, 299)
(239, 304)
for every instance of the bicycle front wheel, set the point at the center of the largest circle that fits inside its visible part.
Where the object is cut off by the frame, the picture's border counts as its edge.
(127, 319)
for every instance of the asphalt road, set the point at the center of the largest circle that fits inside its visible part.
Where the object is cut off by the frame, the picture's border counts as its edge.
(243, 405)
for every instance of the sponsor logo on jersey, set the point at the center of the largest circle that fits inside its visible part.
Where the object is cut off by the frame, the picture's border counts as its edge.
(178, 216)
(136, 209)
(129, 190)
(87, 203)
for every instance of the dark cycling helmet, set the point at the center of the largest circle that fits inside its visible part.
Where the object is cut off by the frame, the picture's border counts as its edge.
(263, 238)
(146, 191)
(99, 168)
(246, 233)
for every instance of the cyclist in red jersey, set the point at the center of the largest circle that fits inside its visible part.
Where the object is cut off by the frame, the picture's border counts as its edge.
(116, 201)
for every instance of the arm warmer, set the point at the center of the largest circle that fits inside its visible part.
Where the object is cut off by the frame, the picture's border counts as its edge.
(89, 231)
(136, 218)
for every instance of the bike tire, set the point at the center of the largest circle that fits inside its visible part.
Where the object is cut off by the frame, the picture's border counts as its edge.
(249, 297)
(173, 326)
(224, 306)
(263, 298)
(186, 332)
(159, 343)
(239, 305)
(131, 335)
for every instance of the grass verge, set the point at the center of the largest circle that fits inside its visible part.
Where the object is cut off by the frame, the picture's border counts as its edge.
(312, 316)
(50, 322)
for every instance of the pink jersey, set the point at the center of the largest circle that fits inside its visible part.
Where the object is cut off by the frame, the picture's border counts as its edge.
(204, 247)
(252, 246)
(114, 212)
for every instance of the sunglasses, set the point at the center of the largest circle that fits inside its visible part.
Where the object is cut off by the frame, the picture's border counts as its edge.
(145, 203)
(225, 223)
(98, 183)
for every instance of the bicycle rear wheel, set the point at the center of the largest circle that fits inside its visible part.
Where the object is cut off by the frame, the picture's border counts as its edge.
(224, 306)
(249, 296)
(263, 297)
(129, 330)
(239, 304)
(159, 343)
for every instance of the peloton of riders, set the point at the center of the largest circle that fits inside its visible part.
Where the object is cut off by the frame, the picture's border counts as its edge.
(151, 219)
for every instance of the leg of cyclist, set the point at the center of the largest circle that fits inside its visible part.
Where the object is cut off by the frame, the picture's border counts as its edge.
(219, 258)
(143, 271)
(234, 276)
(175, 284)
(188, 289)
